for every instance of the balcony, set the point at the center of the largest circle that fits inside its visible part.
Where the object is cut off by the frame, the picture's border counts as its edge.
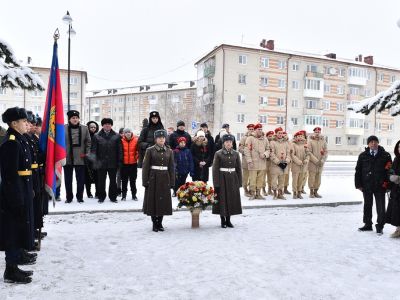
(310, 74)
(354, 123)
(209, 89)
(309, 93)
(354, 80)
(209, 71)
(208, 99)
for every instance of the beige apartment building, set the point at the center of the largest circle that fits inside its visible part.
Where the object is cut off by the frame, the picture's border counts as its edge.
(240, 85)
(36, 100)
(129, 106)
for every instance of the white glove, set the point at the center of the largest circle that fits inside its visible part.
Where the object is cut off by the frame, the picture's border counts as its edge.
(395, 179)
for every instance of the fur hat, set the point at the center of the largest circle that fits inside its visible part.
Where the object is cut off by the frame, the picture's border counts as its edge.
(228, 137)
(31, 117)
(154, 114)
(180, 123)
(181, 139)
(14, 114)
(200, 133)
(160, 133)
(107, 121)
(73, 113)
(372, 138)
(278, 129)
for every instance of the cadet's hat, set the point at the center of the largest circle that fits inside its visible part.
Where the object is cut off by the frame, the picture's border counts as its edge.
(73, 113)
(180, 123)
(372, 138)
(181, 139)
(250, 126)
(278, 129)
(270, 133)
(160, 133)
(317, 128)
(228, 137)
(257, 126)
(14, 114)
(107, 121)
(154, 114)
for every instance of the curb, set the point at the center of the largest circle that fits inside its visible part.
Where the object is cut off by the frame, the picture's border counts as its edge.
(137, 210)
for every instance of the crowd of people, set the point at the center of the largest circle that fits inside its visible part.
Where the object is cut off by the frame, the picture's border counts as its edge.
(261, 166)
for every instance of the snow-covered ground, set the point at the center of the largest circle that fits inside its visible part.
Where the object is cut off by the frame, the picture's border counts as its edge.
(281, 253)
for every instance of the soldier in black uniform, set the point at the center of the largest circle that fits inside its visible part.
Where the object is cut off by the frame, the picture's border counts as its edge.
(16, 194)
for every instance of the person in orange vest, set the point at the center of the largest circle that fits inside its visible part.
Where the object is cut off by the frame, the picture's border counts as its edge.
(130, 156)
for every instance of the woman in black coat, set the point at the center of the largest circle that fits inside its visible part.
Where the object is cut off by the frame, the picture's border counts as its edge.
(146, 138)
(393, 210)
(90, 171)
(202, 157)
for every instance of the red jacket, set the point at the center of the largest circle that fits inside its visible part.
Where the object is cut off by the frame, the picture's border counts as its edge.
(130, 150)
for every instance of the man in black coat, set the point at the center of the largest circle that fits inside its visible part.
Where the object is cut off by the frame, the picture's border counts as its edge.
(372, 178)
(218, 138)
(107, 150)
(16, 195)
(210, 139)
(179, 132)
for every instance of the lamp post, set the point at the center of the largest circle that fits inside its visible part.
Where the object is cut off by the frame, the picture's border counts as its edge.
(68, 20)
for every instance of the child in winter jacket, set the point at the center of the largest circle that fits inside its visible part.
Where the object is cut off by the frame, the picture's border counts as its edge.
(130, 155)
(183, 163)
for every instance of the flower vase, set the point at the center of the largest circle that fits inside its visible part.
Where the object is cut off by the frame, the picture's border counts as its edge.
(195, 217)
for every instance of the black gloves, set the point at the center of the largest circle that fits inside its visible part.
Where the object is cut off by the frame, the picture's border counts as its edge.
(282, 165)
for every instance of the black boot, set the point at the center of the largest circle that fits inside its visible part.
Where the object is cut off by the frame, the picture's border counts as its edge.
(223, 222)
(25, 273)
(379, 229)
(26, 259)
(159, 223)
(366, 227)
(155, 227)
(26, 253)
(12, 275)
(228, 222)
(123, 197)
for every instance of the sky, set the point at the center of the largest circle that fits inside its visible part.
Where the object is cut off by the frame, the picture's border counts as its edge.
(128, 42)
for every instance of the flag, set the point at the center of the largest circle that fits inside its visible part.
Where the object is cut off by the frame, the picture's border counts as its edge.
(52, 137)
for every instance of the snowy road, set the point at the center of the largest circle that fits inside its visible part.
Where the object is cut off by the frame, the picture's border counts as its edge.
(282, 253)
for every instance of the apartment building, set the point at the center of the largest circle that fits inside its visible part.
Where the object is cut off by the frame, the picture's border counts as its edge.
(36, 100)
(129, 106)
(241, 85)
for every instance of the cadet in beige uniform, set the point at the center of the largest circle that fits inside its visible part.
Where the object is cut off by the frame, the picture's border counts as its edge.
(245, 169)
(286, 184)
(300, 158)
(318, 155)
(270, 137)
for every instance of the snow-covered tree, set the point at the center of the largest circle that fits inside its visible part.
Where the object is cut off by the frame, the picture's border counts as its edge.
(389, 99)
(13, 75)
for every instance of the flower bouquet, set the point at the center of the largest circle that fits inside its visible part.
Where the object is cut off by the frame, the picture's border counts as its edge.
(196, 196)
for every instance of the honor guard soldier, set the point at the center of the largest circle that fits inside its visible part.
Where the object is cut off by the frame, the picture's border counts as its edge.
(16, 206)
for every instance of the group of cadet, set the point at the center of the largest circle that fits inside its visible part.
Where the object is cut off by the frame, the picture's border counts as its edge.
(269, 158)
(23, 200)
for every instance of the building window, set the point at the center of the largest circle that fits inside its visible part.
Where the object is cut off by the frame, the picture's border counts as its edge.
(311, 104)
(389, 142)
(325, 122)
(312, 120)
(352, 140)
(264, 62)
(295, 67)
(264, 81)
(339, 124)
(312, 68)
(37, 93)
(280, 102)
(340, 89)
(378, 126)
(73, 95)
(295, 85)
(327, 88)
(357, 72)
(393, 78)
(340, 106)
(97, 118)
(381, 77)
(295, 121)
(73, 80)
(240, 118)
(281, 64)
(18, 93)
(279, 120)
(153, 99)
(295, 103)
(368, 74)
(36, 109)
(311, 84)
(281, 83)
(241, 99)
(263, 119)
(2, 91)
(366, 125)
(356, 123)
(326, 105)
(390, 127)
(338, 140)
(242, 79)
(342, 72)
(263, 100)
(367, 92)
(243, 59)
(354, 91)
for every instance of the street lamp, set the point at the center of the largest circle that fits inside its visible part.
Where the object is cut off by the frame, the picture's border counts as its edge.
(71, 32)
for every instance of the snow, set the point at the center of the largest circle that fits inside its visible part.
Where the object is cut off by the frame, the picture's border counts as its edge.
(272, 253)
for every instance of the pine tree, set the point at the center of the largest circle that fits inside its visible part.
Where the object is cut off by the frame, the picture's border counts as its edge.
(13, 75)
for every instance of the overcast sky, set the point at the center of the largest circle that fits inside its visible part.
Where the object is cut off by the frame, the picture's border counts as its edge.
(130, 42)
